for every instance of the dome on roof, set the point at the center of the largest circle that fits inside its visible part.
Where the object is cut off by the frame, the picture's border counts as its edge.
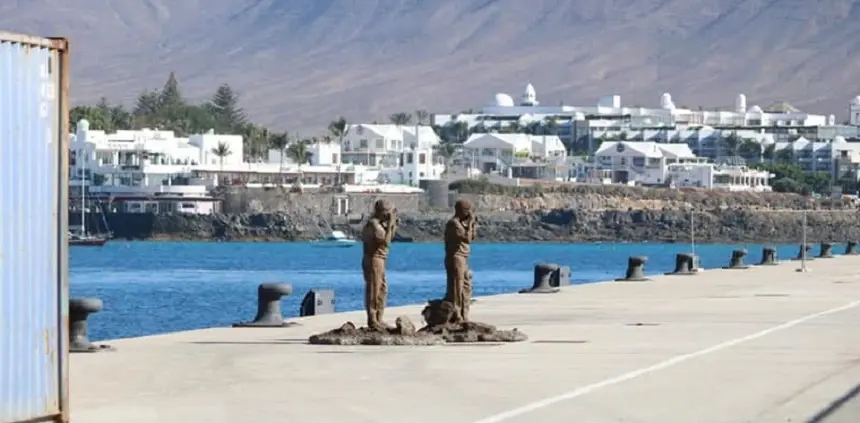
(503, 100)
(839, 139)
(856, 101)
(755, 109)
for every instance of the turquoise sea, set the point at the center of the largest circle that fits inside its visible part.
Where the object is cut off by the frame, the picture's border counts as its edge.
(157, 287)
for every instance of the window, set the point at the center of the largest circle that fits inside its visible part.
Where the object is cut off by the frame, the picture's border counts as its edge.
(363, 143)
(380, 143)
(393, 145)
(409, 160)
(334, 157)
(422, 158)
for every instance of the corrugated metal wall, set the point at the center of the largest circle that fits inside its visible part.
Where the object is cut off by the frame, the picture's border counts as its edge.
(33, 229)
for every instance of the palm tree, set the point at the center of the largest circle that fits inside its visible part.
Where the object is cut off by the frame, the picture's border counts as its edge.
(770, 152)
(446, 150)
(339, 128)
(550, 126)
(298, 152)
(280, 142)
(750, 150)
(422, 116)
(731, 144)
(221, 151)
(401, 118)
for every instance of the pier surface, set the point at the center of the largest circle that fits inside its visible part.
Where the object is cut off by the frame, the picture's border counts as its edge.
(766, 344)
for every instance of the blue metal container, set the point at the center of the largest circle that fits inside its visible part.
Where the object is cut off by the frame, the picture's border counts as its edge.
(34, 284)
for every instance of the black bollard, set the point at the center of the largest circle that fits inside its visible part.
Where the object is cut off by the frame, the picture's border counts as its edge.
(851, 248)
(79, 338)
(269, 307)
(635, 270)
(803, 251)
(685, 264)
(768, 257)
(546, 279)
(737, 261)
(826, 250)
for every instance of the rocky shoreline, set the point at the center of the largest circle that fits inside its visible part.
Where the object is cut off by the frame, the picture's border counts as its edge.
(572, 213)
(716, 226)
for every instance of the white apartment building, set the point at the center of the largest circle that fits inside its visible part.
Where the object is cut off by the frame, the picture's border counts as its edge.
(495, 152)
(585, 127)
(135, 165)
(651, 163)
(385, 144)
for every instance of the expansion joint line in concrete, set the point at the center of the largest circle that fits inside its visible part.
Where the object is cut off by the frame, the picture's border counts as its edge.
(584, 390)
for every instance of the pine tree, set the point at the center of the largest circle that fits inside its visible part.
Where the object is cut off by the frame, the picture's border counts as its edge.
(170, 97)
(224, 107)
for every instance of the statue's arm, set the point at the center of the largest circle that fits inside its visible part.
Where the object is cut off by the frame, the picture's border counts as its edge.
(473, 231)
(392, 229)
(374, 232)
(458, 229)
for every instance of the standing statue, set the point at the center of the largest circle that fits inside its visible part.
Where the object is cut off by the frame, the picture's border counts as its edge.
(460, 231)
(376, 237)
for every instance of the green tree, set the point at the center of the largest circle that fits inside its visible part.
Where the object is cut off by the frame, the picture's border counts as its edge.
(170, 96)
(225, 109)
(447, 150)
(298, 152)
(401, 118)
(339, 128)
(422, 117)
(221, 151)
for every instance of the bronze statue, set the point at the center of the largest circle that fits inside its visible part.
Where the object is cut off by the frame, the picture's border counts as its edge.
(377, 236)
(460, 231)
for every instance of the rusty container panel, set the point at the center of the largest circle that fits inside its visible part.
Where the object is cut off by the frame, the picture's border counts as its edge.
(33, 229)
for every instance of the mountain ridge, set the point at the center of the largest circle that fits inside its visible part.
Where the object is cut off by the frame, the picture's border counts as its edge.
(298, 63)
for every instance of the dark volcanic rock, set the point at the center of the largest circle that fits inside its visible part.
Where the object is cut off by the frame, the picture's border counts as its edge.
(441, 319)
(403, 334)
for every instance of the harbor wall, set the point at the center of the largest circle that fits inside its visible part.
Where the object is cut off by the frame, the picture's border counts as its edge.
(579, 213)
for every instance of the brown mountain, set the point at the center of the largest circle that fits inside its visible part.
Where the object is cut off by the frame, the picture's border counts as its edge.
(300, 62)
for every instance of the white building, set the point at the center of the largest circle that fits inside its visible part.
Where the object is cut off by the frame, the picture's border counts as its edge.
(651, 163)
(583, 128)
(134, 165)
(499, 152)
(385, 144)
(854, 112)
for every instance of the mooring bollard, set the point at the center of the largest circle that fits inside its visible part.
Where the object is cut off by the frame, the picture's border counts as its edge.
(79, 338)
(803, 252)
(316, 302)
(768, 257)
(685, 264)
(546, 279)
(826, 250)
(851, 248)
(269, 307)
(737, 260)
(635, 269)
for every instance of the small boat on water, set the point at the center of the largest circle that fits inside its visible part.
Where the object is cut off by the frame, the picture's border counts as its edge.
(336, 239)
(86, 240)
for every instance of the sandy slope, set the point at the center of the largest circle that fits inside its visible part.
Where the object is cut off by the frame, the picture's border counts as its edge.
(299, 62)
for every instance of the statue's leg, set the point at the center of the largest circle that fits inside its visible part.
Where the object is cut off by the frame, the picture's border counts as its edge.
(458, 285)
(369, 293)
(449, 279)
(467, 293)
(381, 290)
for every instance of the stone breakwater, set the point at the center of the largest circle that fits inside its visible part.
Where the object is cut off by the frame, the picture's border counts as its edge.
(571, 213)
(717, 226)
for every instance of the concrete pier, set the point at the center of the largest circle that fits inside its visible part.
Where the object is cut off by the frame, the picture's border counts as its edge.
(768, 344)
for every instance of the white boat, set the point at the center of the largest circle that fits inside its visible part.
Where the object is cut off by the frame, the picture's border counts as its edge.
(336, 239)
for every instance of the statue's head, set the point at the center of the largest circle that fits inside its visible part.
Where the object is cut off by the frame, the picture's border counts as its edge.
(382, 209)
(462, 209)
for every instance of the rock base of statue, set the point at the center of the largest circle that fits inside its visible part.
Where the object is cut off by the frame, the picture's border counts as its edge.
(443, 320)
(403, 333)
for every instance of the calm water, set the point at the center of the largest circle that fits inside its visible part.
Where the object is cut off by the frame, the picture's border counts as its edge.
(151, 288)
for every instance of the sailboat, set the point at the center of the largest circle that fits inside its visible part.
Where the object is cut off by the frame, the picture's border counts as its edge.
(82, 238)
